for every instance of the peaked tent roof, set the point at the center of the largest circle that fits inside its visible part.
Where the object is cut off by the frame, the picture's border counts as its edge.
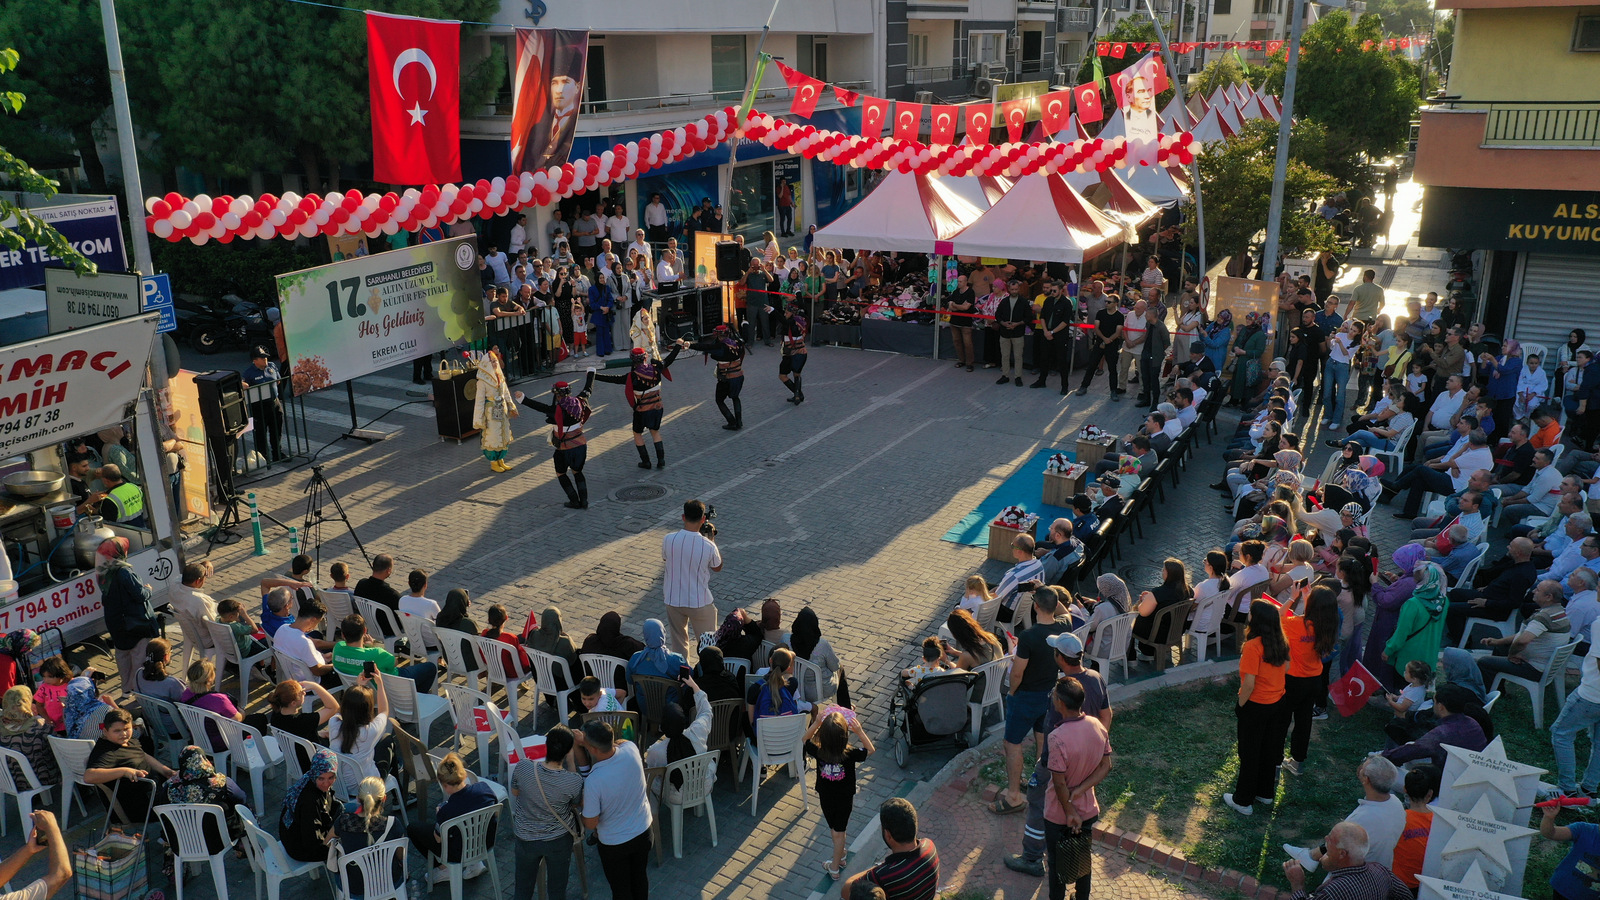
(1177, 113)
(1074, 131)
(1114, 127)
(1043, 219)
(1209, 128)
(888, 218)
(1160, 185)
(1218, 97)
(1108, 190)
(981, 191)
(1229, 117)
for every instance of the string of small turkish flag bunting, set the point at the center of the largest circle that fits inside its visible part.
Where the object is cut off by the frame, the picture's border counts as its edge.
(1119, 49)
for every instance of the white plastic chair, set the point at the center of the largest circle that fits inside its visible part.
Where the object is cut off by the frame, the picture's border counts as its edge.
(986, 613)
(511, 743)
(1493, 698)
(271, 864)
(472, 830)
(1554, 674)
(1506, 629)
(72, 757)
(25, 791)
(348, 779)
(781, 742)
(1471, 570)
(418, 630)
(1119, 632)
(995, 676)
(196, 718)
(412, 707)
(251, 752)
(377, 867)
(378, 616)
(338, 605)
(1394, 460)
(228, 651)
(295, 749)
(463, 703)
(758, 660)
(159, 714)
(185, 825)
(292, 669)
(1212, 609)
(606, 668)
(807, 671)
(546, 666)
(738, 666)
(502, 666)
(198, 641)
(455, 657)
(699, 774)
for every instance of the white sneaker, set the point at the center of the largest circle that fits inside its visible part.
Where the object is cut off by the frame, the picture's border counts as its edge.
(1301, 855)
(474, 870)
(1243, 810)
(441, 875)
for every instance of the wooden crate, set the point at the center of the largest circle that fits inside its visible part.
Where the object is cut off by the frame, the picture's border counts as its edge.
(1091, 452)
(1061, 487)
(1000, 540)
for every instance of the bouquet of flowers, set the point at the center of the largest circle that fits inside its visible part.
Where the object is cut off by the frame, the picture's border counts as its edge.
(1092, 433)
(1057, 462)
(1015, 517)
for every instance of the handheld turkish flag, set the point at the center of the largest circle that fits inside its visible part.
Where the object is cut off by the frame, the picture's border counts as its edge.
(1350, 693)
(944, 119)
(414, 71)
(1054, 110)
(873, 109)
(1015, 113)
(980, 118)
(907, 121)
(1087, 97)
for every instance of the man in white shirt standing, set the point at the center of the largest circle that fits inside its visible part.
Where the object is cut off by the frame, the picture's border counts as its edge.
(690, 556)
(519, 234)
(668, 271)
(497, 265)
(641, 247)
(617, 226)
(1579, 715)
(655, 219)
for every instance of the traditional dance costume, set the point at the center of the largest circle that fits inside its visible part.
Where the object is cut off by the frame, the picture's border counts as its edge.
(568, 415)
(794, 352)
(727, 349)
(492, 411)
(642, 383)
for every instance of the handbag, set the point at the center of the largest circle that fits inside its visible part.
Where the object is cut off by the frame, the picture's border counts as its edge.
(1071, 855)
(545, 799)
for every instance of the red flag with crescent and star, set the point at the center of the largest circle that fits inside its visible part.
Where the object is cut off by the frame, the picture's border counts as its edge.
(1015, 114)
(873, 111)
(944, 119)
(847, 98)
(1087, 97)
(907, 119)
(1350, 693)
(807, 90)
(414, 81)
(980, 118)
(1054, 110)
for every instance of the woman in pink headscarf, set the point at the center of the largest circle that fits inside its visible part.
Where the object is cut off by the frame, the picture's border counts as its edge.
(1389, 592)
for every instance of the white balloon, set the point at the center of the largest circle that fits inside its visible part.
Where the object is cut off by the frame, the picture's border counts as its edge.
(390, 227)
(475, 206)
(497, 185)
(201, 238)
(150, 204)
(202, 201)
(181, 219)
(321, 217)
(410, 194)
(290, 198)
(606, 160)
(240, 205)
(193, 208)
(580, 168)
(277, 217)
(230, 220)
(494, 199)
(163, 228)
(308, 229)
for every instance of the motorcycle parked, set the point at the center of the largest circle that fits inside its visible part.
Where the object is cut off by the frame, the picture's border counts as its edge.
(211, 325)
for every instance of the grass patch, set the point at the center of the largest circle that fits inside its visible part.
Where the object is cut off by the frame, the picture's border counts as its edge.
(1175, 758)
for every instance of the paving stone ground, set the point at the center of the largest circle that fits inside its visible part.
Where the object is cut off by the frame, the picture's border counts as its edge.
(839, 503)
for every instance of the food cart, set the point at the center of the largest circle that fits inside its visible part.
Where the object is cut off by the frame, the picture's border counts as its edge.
(81, 391)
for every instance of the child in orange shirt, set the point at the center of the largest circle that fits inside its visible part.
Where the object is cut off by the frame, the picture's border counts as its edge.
(1422, 785)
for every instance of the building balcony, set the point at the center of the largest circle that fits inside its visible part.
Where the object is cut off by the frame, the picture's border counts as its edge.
(1532, 145)
(1075, 19)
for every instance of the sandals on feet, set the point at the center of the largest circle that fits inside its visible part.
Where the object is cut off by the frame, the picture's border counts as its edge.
(1001, 807)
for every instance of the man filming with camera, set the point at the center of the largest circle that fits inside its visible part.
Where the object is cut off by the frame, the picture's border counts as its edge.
(691, 556)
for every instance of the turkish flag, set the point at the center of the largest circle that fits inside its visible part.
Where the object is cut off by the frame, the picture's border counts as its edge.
(873, 110)
(1054, 110)
(1015, 114)
(806, 95)
(1118, 80)
(944, 120)
(1273, 47)
(1119, 49)
(1158, 69)
(1087, 96)
(848, 98)
(1102, 48)
(980, 118)
(1350, 693)
(907, 121)
(413, 73)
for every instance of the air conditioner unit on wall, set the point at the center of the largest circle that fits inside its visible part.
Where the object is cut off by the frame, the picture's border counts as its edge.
(986, 87)
(993, 71)
(1013, 43)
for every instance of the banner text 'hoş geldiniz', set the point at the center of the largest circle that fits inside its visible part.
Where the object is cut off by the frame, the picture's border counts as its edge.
(414, 78)
(71, 383)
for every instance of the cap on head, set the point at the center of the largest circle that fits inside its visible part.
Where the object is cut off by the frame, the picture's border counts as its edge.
(561, 386)
(1067, 644)
(721, 329)
(637, 353)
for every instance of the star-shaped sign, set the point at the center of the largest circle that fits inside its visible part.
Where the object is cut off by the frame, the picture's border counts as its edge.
(1507, 783)
(1472, 886)
(416, 112)
(1476, 832)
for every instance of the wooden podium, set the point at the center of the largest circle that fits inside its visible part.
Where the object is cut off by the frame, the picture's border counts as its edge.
(1001, 538)
(1061, 487)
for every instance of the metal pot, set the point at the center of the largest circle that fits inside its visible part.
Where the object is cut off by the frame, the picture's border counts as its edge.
(92, 531)
(34, 483)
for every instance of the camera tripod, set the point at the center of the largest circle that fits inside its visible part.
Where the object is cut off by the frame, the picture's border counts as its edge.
(317, 491)
(232, 516)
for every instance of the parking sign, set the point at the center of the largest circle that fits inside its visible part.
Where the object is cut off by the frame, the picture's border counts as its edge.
(158, 299)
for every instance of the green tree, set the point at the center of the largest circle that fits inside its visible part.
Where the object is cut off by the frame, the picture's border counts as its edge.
(1368, 97)
(271, 87)
(1237, 175)
(63, 71)
(25, 226)
(1403, 18)
(1223, 71)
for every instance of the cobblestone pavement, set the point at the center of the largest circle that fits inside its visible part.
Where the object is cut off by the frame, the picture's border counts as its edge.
(839, 503)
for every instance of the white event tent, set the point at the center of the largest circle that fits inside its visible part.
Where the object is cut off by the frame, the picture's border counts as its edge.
(905, 212)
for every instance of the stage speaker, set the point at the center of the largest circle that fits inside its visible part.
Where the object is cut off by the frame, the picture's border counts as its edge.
(222, 407)
(728, 268)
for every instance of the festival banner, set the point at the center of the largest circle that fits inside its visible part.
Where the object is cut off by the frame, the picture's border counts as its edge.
(414, 82)
(76, 382)
(93, 229)
(547, 90)
(360, 316)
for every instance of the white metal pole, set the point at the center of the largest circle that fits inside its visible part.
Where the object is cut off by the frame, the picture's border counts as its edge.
(1177, 90)
(1280, 169)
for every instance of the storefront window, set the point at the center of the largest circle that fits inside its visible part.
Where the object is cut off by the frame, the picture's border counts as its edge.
(753, 201)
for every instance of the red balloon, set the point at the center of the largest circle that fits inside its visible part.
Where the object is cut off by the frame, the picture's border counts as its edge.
(251, 219)
(227, 238)
(149, 223)
(161, 209)
(219, 206)
(174, 199)
(204, 221)
(482, 185)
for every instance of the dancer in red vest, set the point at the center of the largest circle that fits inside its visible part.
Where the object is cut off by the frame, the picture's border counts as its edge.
(568, 414)
(642, 383)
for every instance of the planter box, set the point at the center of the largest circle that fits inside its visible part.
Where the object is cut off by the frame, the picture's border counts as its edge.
(1091, 452)
(1060, 487)
(1001, 538)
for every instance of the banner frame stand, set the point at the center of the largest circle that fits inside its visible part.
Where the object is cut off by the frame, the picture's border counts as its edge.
(367, 436)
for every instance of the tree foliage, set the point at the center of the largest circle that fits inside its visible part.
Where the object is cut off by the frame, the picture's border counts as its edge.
(247, 269)
(63, 71)
(1237, 175)
(23, 225)
(1403, 18)
(236, 88)
(1367, 97)
(1222, 71)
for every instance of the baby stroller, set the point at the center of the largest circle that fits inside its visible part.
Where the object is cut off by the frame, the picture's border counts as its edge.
(933, 712)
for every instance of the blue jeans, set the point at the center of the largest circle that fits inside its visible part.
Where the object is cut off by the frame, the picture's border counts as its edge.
(1369, 440)
(1578, 716)
(1334, 378)
(1025, 713)
(423, 673)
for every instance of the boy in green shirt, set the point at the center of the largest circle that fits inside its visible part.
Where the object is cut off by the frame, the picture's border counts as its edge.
(358, 648)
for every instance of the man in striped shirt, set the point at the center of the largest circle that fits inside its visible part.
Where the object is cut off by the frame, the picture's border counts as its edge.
(911, 870)
(690, 558)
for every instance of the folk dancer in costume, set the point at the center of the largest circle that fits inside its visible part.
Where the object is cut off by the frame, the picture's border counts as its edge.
(642, 383)
(727, 349)
(568, 414)
(493, 409)
(794, 351)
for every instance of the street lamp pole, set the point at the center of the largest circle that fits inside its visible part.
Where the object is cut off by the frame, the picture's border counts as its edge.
(1194, 168)
(1280, 168)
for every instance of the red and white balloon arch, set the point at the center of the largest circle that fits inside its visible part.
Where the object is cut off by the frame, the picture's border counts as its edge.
(202, 218)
